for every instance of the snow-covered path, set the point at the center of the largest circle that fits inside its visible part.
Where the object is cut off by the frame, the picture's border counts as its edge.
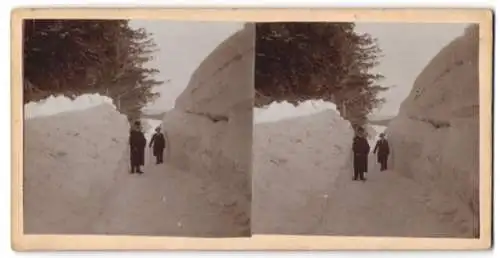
(167, 202)
(387, 204)
(307, 188)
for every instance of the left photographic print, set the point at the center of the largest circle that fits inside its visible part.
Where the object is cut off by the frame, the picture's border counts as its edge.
(137, 127)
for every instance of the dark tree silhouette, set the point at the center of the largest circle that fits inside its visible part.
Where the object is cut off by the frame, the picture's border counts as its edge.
(75, 57)
(329, 61)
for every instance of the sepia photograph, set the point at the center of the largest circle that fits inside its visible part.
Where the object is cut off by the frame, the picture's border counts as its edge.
(366, 129)
(234, 129)
(137, 127)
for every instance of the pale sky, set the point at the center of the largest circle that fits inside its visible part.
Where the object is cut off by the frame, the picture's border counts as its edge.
(407, 48)
(182, 47)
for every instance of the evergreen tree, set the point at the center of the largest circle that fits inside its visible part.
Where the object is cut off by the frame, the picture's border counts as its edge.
(329, 61)
(75, 57)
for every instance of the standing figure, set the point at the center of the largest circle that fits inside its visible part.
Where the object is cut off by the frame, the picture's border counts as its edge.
(382, 150)
(158, 144)
(137, 143)
(360, 149)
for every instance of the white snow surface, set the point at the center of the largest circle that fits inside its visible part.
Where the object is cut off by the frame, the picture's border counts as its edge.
(435, 139)
(302, 171)
(295, 161)
(283, 110)
(57, 104)
(70, 163)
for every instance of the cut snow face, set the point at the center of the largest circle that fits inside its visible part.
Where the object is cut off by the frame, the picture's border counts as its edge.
(55, 105)
(296, 161)
(70, 163)
(282, 110)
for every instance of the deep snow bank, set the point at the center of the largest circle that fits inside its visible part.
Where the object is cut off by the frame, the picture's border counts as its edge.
(435, 137)
(296, 161)
(321, 140)
(210, 127)
(54, 105)
(219, 97)
(282, 110)
(217, 103)
(70, 160)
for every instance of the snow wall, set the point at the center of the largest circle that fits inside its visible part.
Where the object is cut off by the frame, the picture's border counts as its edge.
(210, 127)
(435, 136)
(70, 161)
(294, 157)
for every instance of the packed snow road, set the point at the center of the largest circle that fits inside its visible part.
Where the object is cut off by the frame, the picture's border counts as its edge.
(303, 186)
(76, 180)
(165, 201)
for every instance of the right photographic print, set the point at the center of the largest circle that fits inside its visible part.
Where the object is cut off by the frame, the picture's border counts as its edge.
(366, 129)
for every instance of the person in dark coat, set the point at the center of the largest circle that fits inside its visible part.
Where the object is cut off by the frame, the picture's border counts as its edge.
(382, 151)
(137, 143)
(158, 144)
(360, 149)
